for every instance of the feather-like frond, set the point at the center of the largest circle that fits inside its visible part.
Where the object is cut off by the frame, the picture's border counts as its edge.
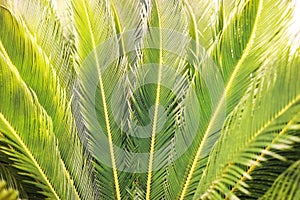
(259, 125)
(38, 72)
(149, 99)
(235, 55)
(286, 186)
(30, 143)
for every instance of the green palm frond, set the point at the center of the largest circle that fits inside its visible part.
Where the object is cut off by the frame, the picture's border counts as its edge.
(237, 68)
(94, 24)
(203, 21)
(286, 185)
(24, 139)
(10, 175)
(64, 128)
(255, 139)
(42, 22)
(149, 99)
(162, 18)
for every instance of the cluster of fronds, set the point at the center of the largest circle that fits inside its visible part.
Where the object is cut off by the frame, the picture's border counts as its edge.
(150, 99)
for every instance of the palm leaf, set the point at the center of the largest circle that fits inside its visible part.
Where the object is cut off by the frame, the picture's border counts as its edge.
(149, 99)
(236, 73)
(111, 14)
(69, 143)
(286, 185)
(203, 16)
(253, 138)
(38, 18)
(154, 92)
(97, 16)
(25, 138)
(9, 175)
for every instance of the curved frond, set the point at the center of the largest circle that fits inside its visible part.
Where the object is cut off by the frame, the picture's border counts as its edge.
(94, 24)
(286, 186)
(150, 99)
(204, 20)
(25, 136)
(251, 133)
(159, 90)
(42, 21)
(247, 50)
(9, 175)
(37, 71)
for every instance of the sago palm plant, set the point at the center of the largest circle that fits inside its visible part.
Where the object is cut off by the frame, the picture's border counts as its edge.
(150, 99)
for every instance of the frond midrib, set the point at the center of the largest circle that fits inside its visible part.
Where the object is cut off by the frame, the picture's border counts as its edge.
(267, 148)
(108, 128)
(13, 68)
(31, 157)
(221, 102)
(260, 131)
(155, 117)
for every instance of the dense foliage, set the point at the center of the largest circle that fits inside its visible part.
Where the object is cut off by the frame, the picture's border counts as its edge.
(150, 99)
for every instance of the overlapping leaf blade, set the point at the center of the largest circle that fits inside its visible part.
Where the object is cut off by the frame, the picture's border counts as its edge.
(37, 70)
(257, 132)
